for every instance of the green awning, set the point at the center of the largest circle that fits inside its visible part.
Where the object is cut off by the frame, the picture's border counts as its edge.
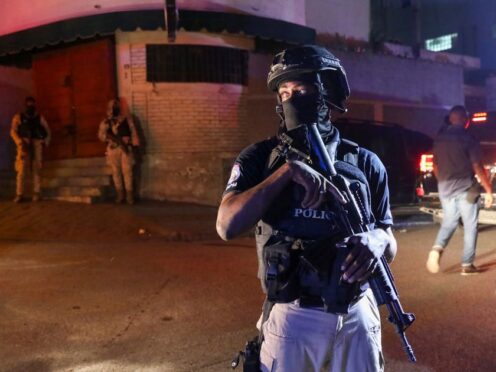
(106, 24)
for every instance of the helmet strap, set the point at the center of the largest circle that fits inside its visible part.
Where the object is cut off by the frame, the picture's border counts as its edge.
(323, 93)
(280, 113)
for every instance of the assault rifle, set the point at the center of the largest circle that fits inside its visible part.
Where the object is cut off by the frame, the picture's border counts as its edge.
(118, 141)
(354, 220)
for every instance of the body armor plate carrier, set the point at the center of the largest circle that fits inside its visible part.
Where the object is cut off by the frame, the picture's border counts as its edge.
(296, 247)
(30, 127)
(123, 129)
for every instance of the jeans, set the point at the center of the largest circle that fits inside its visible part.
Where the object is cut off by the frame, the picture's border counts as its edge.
(453, 208)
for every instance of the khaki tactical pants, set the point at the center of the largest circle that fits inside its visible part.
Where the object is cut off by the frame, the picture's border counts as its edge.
(29, 159)
(309, 340)
(122, 167)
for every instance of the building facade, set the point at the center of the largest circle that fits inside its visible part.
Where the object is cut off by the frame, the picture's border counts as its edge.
(200, 97)
(448, 27)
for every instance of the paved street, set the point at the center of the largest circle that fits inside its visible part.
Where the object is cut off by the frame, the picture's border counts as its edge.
(126, 301)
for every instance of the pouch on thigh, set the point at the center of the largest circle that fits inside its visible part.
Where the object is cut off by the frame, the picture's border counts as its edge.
(281, 354)
(358, 343)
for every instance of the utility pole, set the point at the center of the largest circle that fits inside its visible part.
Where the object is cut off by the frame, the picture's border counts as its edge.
(415, 4)
(171, 19)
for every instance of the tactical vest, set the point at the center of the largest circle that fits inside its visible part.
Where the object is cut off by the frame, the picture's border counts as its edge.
(30, 127)
(295, 246)
(123, 128)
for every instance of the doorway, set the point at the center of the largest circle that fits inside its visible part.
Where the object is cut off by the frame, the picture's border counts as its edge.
(73, 85)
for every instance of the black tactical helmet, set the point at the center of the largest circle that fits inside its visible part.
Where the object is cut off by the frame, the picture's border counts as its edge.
(292, 63)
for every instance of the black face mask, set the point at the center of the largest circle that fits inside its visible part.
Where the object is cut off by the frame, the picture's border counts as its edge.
(306, 109)
(30, 110)
(116, 111)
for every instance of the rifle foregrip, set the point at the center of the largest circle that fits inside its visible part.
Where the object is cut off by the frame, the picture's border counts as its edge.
(382, 285)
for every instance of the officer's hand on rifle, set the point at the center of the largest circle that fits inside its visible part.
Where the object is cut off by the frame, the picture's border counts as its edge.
(367, 249)
(316, 186)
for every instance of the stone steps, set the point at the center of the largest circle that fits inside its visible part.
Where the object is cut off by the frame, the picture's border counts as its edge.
(55, 172)
(86, 180)
(54, 182)
(76, 199)
(71, 191)
(76, 163)
(82, 180)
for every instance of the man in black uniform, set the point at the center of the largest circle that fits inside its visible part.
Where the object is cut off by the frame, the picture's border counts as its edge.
(297, 230)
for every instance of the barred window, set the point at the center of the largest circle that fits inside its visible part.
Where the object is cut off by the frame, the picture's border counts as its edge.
(196, 63)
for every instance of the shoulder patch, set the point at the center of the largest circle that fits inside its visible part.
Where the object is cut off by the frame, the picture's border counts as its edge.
(235, 174)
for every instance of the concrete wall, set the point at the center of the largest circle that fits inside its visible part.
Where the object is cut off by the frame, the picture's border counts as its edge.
(192, 131)
(15, 85)
(19, 15)
(491, 93)
(401, 79)
(350, 18)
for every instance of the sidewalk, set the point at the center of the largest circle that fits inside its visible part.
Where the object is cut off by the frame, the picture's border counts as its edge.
(169, 221)
(51, 220)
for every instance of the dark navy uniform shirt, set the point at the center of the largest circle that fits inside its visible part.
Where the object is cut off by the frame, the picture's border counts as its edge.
(250, 168)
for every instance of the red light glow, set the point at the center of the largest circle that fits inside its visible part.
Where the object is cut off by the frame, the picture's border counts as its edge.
(426, 163)
(479, 117)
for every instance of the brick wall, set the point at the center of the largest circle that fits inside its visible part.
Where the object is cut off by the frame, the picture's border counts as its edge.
(188, 137)
(191, 131)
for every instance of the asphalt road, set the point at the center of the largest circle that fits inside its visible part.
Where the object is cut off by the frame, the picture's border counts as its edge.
(157, 305)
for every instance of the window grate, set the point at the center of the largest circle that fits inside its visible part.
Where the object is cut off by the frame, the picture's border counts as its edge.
(441, 43)
(196, 63)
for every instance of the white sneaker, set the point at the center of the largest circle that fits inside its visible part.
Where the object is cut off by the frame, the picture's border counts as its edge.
(433, 261)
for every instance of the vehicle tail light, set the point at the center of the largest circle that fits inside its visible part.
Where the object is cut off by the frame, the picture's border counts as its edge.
(426, 163)
(479, 117)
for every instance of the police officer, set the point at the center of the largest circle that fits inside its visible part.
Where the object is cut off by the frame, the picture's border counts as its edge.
(30, 132)
(119, 131)
(297, 230)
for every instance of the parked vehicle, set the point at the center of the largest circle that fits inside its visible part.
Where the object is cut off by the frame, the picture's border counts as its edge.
(400, 150)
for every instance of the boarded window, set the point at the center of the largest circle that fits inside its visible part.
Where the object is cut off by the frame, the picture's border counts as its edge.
(196, 63)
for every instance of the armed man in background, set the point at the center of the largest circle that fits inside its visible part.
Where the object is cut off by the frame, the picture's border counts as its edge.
(298, 232)
(30, 132)
(119, 131)
(457, 159)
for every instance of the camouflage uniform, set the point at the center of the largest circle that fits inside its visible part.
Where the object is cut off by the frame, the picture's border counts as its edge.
(29, 142)
(120, 134)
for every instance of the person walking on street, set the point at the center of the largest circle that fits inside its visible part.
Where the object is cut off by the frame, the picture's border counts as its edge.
(457, 160)
(119, 131)
(30, 131)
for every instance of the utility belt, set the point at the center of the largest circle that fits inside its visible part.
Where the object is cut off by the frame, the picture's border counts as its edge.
(305, 270)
